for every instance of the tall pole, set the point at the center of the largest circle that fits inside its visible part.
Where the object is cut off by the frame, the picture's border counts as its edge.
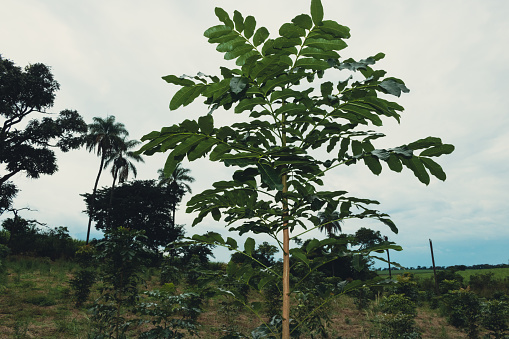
(388, 258)
(434, 269)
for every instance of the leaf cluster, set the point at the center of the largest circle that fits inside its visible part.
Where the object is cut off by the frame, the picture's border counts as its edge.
(288, 127)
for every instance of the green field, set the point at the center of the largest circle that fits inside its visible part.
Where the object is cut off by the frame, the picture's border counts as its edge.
(498, 273)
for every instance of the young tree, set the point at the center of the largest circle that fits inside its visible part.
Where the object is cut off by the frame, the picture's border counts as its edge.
(105, 136)
(27, 144)
(279, 149)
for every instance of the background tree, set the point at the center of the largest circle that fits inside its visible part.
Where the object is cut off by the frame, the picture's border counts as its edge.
(366, 237)
(330, 223)
(121, 165)
(138, 205)
(292, 134)
(105, 137)
(27, 145)
(177, 181)
(264, 254)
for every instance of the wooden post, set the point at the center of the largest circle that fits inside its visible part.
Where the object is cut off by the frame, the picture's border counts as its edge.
(434, 269)
(388, 258)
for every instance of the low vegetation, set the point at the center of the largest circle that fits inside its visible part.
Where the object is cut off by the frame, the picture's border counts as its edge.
(39, 298)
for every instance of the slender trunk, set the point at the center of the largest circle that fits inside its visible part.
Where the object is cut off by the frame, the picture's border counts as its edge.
(286, 268)
(111, 197)
(92, 203)
(286, 250)
(437, 290)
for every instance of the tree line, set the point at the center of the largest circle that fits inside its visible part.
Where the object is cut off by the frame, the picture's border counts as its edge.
(30, 134)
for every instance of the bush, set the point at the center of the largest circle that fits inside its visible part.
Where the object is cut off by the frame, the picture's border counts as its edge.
(171, 313)
(445, 286)
(463, 310)
(407, 286)
(398, 318)
(494, 315)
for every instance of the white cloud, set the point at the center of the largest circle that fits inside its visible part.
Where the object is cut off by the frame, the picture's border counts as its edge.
(109, 58)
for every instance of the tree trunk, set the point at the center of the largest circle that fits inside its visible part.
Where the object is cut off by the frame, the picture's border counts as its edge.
(93, 197)
(286, 250)
(111, 197)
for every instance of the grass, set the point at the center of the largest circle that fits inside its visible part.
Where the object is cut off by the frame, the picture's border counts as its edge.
(37, 303)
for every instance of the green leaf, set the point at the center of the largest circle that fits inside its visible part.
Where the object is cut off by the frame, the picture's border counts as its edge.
(270, 177)
(381, 154)
(318, 53)
(311, 63)
(389, 223)
(185, 96)
(303, 21)
(403, 151)
(394, 86)
(373, 164)
(216, 214)
(363, 111)
(249, 26)
(326, 45)
(394, 163)
(316, 11)
(223, 17)
(249, 104)
(415, 164)
(232, 243)
(238, 51)
(290, 30)
(434, 168)
(218, 151)
(335, 29)
(238, 84)
(238, 20)
(356, 147)
(290, 109)
(201, 149)
(230, 45)
(260, 36)
(217, 31)
(437, 151)
(312, 244)
(425, 143)
(206, 124)
(264, 281)
(345, 142)
(172, 79)
(249, 246)
(299, 254)
(214, 237)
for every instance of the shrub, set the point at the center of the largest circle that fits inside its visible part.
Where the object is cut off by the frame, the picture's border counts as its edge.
(494, 317)
(398, 318)
(445, 286)
(463, 310)
(407, 286)
(83, 280)
(121, 265)
(170, 313)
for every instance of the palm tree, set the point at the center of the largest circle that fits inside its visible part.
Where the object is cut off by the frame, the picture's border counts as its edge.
(121, 165)
(104, 137)
(177, 181)
(330, 223)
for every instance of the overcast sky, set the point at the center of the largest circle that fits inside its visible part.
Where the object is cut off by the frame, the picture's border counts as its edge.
(109, 57)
